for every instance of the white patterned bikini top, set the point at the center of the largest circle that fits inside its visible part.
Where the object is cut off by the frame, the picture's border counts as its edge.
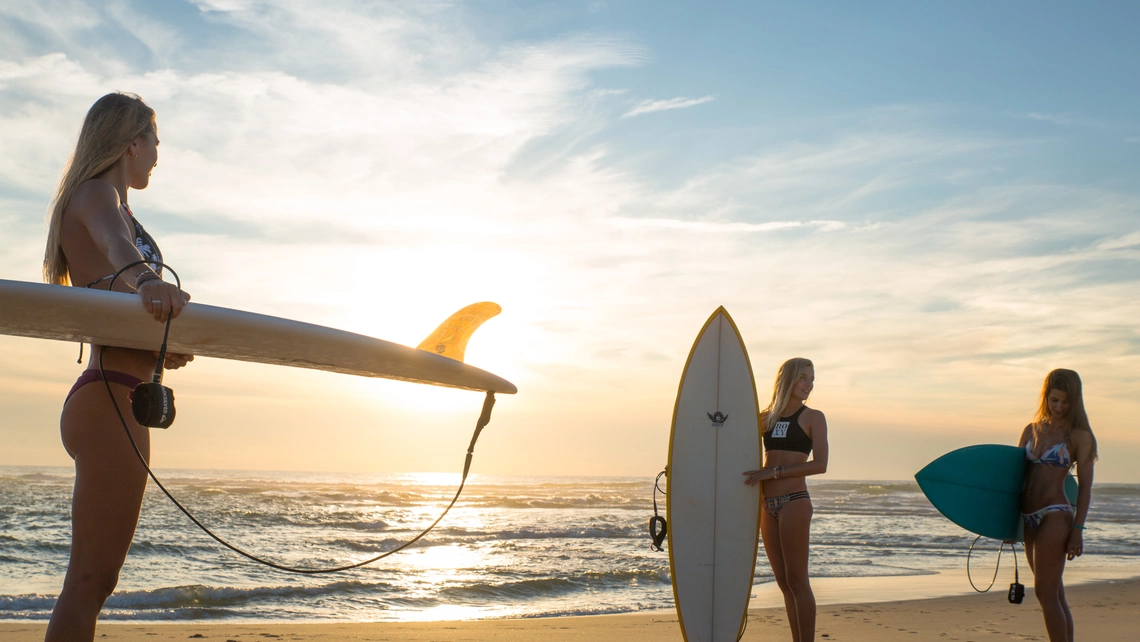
(1057, 455)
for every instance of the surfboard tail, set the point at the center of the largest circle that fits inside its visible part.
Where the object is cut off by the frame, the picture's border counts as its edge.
(451, 337)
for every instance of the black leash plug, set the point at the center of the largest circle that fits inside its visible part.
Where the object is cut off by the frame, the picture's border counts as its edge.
(658, 528)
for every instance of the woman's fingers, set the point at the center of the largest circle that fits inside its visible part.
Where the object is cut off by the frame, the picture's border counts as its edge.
(755, 476)
(175, 361)
(162, 299)
(178, 300)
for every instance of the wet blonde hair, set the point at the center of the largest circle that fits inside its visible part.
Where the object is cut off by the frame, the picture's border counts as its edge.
(111, 125)
(788, 374)
(1068, 382)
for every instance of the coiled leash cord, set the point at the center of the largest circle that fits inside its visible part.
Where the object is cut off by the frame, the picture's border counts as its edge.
(658, 528)
(484, 419)
(1016, 590)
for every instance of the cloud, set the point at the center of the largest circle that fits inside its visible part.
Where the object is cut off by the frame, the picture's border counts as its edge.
(650, 106)
(377, 167)
(1064, 120)
(712, 227)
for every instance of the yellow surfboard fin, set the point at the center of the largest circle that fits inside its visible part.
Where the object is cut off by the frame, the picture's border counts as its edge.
(450, 338)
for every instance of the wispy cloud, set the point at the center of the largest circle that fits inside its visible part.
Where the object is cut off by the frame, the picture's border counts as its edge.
(650, 106)
(1063, 120)
(712, 227)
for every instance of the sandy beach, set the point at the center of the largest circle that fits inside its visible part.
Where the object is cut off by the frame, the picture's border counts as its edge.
(1105, 611)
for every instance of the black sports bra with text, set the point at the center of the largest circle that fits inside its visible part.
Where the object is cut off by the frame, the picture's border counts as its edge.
(787, 435)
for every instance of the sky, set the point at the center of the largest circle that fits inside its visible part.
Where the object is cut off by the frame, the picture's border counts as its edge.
(937, 203)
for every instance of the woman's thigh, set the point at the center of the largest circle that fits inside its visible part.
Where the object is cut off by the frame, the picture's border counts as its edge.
(795, 529)
(1030, 547)
(1049, 543)
(109, 479)
(770, 534)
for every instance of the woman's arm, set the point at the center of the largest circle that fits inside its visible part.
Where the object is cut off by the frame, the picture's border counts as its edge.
(96, 207)
(1025, 434)
(1085, 463)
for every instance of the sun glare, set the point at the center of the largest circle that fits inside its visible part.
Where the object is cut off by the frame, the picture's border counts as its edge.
(446, 559)
(416, 397)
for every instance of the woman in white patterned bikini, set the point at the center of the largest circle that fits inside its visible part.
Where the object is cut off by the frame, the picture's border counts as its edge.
(791, 432)
(1059, 437)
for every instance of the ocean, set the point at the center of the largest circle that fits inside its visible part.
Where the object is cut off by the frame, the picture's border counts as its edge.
(512, 546)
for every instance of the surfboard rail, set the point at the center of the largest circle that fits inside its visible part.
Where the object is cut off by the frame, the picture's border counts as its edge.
(714, 518)
(63, 313)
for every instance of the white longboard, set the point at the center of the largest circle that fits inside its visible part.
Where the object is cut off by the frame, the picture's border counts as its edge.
(117, 319)
(714, 518)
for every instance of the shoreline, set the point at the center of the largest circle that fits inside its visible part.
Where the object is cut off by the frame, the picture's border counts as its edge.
(1103, 608)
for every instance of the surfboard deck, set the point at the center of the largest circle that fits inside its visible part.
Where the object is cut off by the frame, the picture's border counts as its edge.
(73, 314)
(714, 518)
(979, 489)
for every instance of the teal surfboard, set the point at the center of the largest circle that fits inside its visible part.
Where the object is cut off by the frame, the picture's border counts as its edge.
(979, 489)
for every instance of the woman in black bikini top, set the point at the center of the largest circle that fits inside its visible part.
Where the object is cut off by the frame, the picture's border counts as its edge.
(91, 235)
(791, 432)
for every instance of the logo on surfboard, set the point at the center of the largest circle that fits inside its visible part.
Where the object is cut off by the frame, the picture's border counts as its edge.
(717, 418)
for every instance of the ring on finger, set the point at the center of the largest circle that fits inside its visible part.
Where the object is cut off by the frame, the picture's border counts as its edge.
(155, 301)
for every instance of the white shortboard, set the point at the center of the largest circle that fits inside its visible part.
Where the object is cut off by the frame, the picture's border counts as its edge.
(714, 517)
(117, 319)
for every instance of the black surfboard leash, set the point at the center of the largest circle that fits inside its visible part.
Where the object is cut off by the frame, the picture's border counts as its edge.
(484, 419)
(658, 527)
(1016, 590)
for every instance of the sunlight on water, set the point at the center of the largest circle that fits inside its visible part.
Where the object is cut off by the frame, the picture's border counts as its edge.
(511, 547)
(432, 479)
(446, 559)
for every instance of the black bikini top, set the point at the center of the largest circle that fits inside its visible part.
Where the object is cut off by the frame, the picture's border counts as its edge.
(146, 246)
(787, 435)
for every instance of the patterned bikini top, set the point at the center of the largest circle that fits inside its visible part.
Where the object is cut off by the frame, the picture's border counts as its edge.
(1057, 455)
(146, 246)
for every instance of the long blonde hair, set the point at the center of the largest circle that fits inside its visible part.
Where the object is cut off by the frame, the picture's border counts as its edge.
(788, 374)
(1068, 382)
(111, 125)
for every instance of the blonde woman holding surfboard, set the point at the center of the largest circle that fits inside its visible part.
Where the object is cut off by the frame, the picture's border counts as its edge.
(1059, 438)
(791, 431)
(92, 234)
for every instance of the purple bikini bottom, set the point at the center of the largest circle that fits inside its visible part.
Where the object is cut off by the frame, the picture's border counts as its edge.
(114, 376)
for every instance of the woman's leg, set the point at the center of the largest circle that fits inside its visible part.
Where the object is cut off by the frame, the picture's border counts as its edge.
(109, 486)
(770, 532)
(1048, 564)
(795, 528)
(1068, 614)
(1030, 547)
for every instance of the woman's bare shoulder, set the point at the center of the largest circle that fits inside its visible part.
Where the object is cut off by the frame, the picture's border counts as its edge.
(1082, 439)
(94, 195)
(814, 417)
(1026, 433)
